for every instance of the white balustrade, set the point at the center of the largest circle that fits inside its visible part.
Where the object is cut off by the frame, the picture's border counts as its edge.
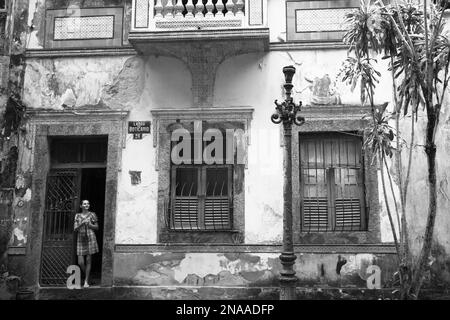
(178, 9)
(158, 9)
(199, 9)
(190, 9)
(230, 8)
(164, 15)
(169, 10)
(219, 7)
(240, 8)
(209, 9)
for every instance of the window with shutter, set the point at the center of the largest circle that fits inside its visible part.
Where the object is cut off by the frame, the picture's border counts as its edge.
(201, 195)
(201, 198)
(332, 183)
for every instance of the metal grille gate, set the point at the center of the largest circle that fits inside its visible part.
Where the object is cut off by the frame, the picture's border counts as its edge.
(59, 214)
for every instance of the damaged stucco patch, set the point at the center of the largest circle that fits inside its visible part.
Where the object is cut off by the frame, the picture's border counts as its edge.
(52, 83)
(247, 269)
(203, 269)
(126, 88)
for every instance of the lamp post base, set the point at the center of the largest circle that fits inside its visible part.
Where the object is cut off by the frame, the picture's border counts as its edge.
(288, 280)
(287, 288)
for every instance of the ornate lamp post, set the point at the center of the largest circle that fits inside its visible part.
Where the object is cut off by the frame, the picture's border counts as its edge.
(286, 113)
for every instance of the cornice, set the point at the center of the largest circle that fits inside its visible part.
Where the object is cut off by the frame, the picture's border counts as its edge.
(245, 113)
(45, 115)
(80, 52)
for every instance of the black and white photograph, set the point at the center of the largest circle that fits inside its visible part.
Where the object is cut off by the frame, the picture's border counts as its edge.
(241, 151)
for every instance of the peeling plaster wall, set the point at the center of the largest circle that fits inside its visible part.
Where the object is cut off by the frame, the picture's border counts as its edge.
(50, 83)
(243, 269)
(137, 84)
(418, 187)
(13, 73)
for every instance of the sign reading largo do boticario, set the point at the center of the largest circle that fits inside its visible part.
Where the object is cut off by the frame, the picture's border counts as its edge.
(138, 128)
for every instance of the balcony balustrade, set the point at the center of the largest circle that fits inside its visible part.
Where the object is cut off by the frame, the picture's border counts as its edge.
(182, 15)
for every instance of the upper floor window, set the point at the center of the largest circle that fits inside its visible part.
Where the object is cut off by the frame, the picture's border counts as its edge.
(2, 5)
(332, 182)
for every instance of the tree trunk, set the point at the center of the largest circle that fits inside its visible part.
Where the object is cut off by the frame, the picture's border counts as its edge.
(430, 150)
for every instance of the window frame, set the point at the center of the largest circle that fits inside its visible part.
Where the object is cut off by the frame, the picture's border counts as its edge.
(337, 118)
(330, 178)
(165, 121)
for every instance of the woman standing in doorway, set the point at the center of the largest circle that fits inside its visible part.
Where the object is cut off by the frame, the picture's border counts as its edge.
(85, 224)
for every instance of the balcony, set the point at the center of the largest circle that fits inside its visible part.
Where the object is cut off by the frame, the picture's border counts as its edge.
(163, 26)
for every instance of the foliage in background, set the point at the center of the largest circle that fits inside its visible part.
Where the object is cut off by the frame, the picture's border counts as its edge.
(409, 34)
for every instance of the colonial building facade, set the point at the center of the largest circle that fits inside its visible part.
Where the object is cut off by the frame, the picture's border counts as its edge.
(108, 85)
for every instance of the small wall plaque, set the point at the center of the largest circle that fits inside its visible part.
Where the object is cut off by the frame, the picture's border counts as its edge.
(137, 128)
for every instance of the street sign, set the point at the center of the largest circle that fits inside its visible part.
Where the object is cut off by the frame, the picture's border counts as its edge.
(138, 128)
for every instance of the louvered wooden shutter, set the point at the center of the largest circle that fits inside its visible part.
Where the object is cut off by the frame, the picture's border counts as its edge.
(348, 185)
(332, 184)
(315, 203)
(185, 201)
(218, 202)
(201, 198)
(185, 213)
(315, 214)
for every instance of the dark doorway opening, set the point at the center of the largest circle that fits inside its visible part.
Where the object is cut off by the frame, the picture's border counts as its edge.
(93, 189)
(77, 172)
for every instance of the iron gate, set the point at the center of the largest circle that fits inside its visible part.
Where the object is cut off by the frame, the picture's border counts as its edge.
(58, 238)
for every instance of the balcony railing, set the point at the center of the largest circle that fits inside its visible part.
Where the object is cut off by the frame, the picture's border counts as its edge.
(179, 15)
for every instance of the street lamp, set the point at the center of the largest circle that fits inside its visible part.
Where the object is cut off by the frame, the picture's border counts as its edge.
(286, 113)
